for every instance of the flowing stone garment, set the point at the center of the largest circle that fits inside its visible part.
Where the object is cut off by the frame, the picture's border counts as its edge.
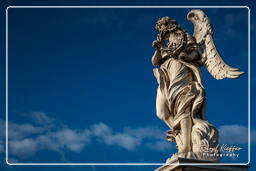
(180, 88)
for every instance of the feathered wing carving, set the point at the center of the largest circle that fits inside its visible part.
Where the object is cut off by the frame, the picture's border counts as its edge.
(210, 56)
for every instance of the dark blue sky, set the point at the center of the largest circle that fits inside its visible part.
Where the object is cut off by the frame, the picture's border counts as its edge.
(82, 69)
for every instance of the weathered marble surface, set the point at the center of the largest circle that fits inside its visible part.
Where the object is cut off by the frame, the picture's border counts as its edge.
(180, 100)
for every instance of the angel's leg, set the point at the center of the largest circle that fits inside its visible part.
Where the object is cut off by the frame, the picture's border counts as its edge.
(186, 128)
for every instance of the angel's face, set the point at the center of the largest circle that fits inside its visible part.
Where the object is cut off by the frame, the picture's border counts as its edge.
(175, 37)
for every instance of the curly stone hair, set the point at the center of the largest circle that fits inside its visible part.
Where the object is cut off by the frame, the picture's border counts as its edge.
(166, 24)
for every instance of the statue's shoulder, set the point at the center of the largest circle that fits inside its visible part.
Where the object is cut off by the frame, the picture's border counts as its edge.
(190, 38)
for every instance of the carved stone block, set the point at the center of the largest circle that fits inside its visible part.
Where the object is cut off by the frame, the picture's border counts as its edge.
(180, 165)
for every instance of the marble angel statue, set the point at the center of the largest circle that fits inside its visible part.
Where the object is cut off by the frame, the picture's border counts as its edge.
(180, 100)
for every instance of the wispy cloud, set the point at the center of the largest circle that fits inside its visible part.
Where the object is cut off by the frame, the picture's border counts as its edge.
(104, 134)
(23, 143)
(160, 145)
(41, 118)
(38, 117)
(18, 131)
(130, 138)
(25, 140)
(235, 134)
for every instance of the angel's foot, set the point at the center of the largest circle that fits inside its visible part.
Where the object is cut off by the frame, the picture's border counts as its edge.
(171, 135)
(184, 149)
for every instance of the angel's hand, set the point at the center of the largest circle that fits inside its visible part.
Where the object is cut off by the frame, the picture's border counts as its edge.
(182, 56)
(156, 44)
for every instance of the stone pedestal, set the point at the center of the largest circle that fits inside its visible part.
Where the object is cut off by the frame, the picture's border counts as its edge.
(180, 165)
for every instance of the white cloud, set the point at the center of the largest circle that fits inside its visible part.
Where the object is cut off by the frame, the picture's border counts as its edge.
(161, 145)
(124, 140)
(104, 134)
(23, 148)
(145, 132)
(68, 138)
(19, 131)
(25, 140)
(101, 129)
(129, 139)
(233, 134)
(57, 141)
(39, 117)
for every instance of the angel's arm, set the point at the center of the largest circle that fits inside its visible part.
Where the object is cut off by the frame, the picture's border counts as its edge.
(156, 58)
(192, 50)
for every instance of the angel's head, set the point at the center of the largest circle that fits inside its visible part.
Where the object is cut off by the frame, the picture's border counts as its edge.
(166, 24)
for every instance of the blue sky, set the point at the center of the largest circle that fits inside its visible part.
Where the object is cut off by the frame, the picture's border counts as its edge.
(81, 87)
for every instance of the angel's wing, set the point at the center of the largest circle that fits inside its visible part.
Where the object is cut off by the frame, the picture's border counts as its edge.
(210, 56)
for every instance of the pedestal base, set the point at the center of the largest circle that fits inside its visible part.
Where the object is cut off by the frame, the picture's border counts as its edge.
(180, 165)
